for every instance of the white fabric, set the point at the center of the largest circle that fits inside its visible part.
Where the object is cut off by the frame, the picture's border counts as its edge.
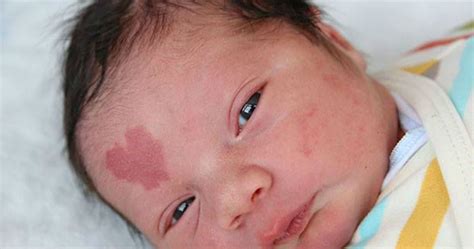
(415, 137)
(449, 138)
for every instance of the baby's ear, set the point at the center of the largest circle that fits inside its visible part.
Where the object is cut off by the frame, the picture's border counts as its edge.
(343, 45)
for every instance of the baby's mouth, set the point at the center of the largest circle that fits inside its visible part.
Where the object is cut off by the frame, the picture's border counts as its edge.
(296, 226)
(289, 226)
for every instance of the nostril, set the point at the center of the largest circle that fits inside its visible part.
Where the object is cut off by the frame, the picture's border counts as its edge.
(256, 194)
(236, 222)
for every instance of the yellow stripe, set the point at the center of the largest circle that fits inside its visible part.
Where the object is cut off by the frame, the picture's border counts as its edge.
(424, 223)
(420, 68)
(467, 26)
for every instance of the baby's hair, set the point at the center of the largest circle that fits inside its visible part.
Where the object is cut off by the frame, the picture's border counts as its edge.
(106, 30)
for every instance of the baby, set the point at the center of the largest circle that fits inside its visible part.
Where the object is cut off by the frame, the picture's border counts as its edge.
(252, 124)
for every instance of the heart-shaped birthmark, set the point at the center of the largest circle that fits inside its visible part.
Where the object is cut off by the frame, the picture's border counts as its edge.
(140, 161)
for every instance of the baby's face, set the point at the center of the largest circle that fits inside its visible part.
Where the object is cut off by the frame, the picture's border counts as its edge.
(240, 143)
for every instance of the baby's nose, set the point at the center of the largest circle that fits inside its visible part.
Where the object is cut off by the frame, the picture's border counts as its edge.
(240, 196)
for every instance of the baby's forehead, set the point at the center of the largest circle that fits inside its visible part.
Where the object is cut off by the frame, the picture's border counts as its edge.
(177, 65)
(167, 89)
(155, 82)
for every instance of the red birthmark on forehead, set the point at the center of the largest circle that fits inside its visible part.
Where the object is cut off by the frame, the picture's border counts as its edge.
(139, 161)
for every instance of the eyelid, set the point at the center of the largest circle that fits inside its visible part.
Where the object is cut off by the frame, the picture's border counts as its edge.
(169, 218)
(163, 220)
(242, 96)
(166, 215)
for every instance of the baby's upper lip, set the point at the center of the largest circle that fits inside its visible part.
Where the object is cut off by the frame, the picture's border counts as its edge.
(278, 228)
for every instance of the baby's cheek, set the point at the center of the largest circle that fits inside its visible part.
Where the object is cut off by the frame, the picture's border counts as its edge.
(308, 131)
(211, 236)
(330, 228)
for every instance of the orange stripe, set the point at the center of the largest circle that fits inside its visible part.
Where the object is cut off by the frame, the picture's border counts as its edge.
(423, 226)
(440, 43)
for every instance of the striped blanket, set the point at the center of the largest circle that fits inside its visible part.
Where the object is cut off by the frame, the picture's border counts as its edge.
(429, 204)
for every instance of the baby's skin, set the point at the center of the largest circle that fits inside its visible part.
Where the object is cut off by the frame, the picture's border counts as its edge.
(235, 141)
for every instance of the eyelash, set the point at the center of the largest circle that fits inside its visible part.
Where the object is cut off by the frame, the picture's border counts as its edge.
(174, 220)
(248, 109)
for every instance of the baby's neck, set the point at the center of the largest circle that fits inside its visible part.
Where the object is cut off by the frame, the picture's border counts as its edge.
(393, 130)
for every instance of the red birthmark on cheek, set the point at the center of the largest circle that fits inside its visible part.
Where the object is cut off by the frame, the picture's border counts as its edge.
(139, 161)
(307, 132)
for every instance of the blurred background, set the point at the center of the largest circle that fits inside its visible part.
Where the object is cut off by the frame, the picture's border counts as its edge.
(40, 203)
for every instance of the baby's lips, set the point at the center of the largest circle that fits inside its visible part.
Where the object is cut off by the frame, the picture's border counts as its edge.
(319, 235)
(279, 228)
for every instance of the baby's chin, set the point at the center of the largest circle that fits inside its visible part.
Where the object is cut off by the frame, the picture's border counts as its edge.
(333, 233)
(333, 224)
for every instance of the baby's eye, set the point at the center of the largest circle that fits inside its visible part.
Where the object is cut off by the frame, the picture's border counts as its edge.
(247, 109)
(179, 211)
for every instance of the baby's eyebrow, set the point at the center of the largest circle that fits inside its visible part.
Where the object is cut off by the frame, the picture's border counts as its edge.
(140, 160)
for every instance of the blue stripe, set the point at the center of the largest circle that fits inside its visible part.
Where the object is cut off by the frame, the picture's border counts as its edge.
(371, 224)
(462, 86)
